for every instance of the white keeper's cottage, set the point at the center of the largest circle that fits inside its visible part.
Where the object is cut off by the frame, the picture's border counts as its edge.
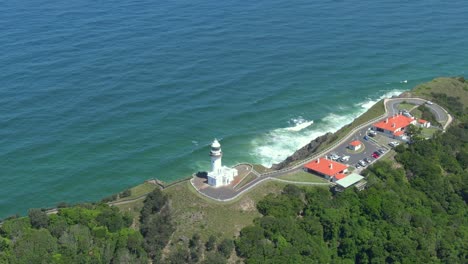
(219, 175)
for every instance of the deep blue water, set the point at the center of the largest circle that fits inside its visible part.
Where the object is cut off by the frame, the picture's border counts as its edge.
(97, 96)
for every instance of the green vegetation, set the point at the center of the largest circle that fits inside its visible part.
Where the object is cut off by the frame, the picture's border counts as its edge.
(413, 211)
(427, 115)
(248, 178)
(156, 226)
(82, 234)
(302, 176)
(193, 213)
(455, 87)
(416, 113)
(415, 214)
(260, 168)
(136, 191)
(405, 106)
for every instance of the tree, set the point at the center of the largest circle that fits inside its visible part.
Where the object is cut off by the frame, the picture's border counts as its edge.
(125, 193)
(179, 256)
(156, 226)
(38, 218)
(211, 243)
(36, 246)
(225, 247)
(214, 258)
(415, 133)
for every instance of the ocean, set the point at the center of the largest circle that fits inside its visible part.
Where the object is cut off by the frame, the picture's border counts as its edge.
(98, 96)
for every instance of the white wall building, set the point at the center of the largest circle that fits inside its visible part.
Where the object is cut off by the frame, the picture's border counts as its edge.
(219, 175)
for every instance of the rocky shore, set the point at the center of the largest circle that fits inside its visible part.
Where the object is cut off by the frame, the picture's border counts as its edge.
(305, 151)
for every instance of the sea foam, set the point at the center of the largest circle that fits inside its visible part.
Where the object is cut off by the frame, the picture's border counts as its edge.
(278, 144)
(299, 124)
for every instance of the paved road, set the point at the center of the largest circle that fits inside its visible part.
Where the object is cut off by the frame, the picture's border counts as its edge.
(391, 108)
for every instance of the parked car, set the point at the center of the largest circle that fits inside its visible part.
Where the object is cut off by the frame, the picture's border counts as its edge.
(372, 133)
(357, 166)
(366, 137)
(362, 163)
(375, 155)
(381, 151)
(333, 156)
(394, 144)
(344, 158)
(367, 160)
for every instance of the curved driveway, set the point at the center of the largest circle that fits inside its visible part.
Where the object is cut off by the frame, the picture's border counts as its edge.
(224, 194)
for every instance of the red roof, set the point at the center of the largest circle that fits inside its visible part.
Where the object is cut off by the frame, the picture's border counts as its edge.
(340, 176)
(422, 121)
(326, 167)
(398, 133)
(355, 143)
(394, 123)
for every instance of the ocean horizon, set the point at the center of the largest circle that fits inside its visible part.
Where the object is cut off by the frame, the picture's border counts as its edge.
(98, 97)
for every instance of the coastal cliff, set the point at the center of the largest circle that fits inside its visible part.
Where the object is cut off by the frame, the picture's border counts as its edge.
(305, 151)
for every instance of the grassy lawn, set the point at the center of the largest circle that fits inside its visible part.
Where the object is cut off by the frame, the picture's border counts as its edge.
(134, 209)
(405, 106)
(302, 176)
(139, 190)
(193, 213)
(260, 168)
(429, 132)
(416, 113)
(449, 86)
(250, 177)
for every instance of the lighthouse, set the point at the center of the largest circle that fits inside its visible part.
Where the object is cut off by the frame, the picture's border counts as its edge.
(216, 154)
(219, 175)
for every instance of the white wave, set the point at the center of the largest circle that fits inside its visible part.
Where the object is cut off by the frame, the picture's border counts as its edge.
(370, 102)
(278, 144)
(404, 81)
(299, 124)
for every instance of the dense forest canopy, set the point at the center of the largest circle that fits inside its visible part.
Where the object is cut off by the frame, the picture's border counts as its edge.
(82, 234)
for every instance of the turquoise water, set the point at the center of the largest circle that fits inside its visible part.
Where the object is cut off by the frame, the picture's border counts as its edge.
(98, 96)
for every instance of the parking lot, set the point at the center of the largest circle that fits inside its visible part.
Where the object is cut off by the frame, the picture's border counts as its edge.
(369, 146)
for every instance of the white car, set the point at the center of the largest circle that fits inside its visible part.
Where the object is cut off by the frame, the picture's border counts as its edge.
(429, 103)
(344, 158)
(394, 144)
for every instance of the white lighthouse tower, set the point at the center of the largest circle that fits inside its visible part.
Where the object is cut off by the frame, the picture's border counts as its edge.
(219, 175)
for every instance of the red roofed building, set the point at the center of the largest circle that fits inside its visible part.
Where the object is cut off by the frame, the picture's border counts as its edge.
(355, 145)
(340, 176)
(328, 168)
(424, 123)
(394, 125)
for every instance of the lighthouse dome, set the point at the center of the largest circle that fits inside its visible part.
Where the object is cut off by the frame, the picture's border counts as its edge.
(215, 144)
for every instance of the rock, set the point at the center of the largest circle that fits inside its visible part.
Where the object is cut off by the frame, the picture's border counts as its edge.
(304, 152)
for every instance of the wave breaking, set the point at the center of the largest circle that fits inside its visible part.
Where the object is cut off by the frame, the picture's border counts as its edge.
(276, 145)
